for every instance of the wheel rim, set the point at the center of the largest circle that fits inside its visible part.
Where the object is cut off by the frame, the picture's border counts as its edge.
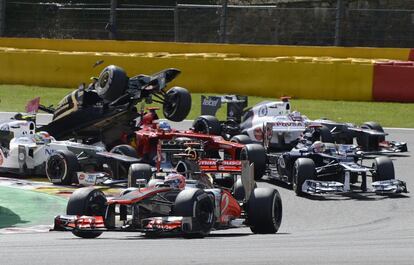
(57, 168)
(170, 104)
(101, 88)
(204, 214)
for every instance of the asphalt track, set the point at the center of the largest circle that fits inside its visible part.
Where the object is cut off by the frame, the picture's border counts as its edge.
(358, 229)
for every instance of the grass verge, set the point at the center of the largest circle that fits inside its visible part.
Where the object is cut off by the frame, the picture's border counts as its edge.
(15, 97)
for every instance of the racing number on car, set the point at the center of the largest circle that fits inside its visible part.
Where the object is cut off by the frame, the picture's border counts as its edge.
(224, 204)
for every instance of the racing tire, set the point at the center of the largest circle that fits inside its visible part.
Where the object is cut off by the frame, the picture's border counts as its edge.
(87, 201)
(138, 171)
(303, 169)
(241, 139)
(374, 126)
(61, 167)
(207, 124)
(384, 169)
(197, 204)
(264, 211)
(177, 104)
(238, 190)
(256, 154)
(124, 149)
(112, 83)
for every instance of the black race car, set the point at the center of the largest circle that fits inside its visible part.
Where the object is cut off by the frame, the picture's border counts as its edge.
(105, 110)
(322, 168)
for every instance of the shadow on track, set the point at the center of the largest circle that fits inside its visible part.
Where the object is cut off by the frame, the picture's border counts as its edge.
(9, 218)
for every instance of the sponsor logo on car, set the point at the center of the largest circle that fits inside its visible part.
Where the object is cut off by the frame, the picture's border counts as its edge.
(210, 102)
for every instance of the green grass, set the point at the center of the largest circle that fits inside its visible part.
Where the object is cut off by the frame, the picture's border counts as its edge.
(15, 97)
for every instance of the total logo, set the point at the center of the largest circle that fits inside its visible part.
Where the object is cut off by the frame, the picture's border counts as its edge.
(210, 102)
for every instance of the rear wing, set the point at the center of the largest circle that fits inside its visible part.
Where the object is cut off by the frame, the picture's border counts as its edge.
(235, 105)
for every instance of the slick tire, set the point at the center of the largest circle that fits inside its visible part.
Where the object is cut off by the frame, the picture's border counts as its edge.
(256, 154)
(177, 104)
(384, 169)
(138, 171)
(125, 149)
(61, 167)
(264, 211)
(374, 126)
(87, 201)
(207, 124)
(241, 139)
(197, 204)
(112, 83)
(238, 190)
(303, 169)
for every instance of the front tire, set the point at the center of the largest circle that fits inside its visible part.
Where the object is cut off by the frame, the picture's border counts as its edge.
(61, 167)
(87, 201)
(207, 124)
(197, 204)
(264, 211)
(384, 169)
(303, 169)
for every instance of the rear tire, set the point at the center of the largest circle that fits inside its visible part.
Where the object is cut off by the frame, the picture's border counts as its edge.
(87, 201)
(241, 139)
(238, 190)
(384, 169)
(61, 167)
(303, 169)
(177, 104)
(264, 211)
(124, 149)
(197, 204)
(374, 126)
(138, 171)
(256, 154)
(111, 83)
(326, 135)
(207, 124)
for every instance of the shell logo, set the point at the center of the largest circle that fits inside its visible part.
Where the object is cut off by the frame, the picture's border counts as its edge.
(82, 176)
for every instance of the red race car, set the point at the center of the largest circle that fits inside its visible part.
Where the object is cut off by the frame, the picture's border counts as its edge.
(174, 206)
(151, 140)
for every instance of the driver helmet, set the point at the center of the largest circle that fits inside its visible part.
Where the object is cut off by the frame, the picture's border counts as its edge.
(175, 180)
(165, 126)
(318, 147)
(43, 137)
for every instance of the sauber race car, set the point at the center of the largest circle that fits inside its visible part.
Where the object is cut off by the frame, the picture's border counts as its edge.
(106, 108)
(327, 168)
(26, 152)
(283, 128)
(174, 206)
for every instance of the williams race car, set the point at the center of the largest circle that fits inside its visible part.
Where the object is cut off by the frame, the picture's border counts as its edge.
(106, 108)
(26, 152)
(173, 206)
(326, 168)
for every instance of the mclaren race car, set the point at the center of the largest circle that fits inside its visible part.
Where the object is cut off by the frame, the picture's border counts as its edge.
(106, 108)
(26, 152)
(174, 206)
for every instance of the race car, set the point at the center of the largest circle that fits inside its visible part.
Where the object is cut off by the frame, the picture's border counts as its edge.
(106, 108)
(153, 133)
(326, 168)
(279, 128)
(174, 206)
(26, 152)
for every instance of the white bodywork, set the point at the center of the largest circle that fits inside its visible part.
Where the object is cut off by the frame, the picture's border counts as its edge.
(28, 150)
(274, 122)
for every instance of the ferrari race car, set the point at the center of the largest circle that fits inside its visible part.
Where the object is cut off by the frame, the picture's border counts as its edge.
(283, 128)
(174, 206)
(326, 168)
(154, 138)
(26, 152)
(106, 108)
